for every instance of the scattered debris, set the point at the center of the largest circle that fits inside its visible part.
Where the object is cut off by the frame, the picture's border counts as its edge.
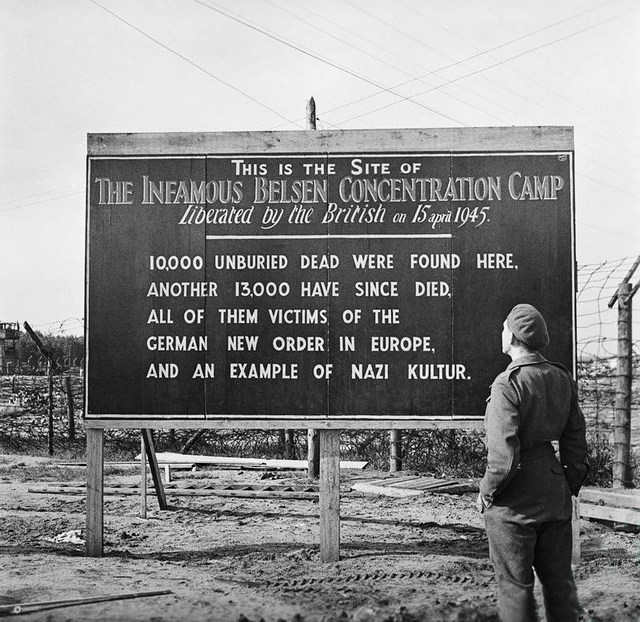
(25, 608)
(69, 537)
(182, 459)
(412, 486)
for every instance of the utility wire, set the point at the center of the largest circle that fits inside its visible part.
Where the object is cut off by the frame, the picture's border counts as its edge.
(193, 64)
(463, 60)
(617, 233)
(39, 194)
(347, 43)
(543, 85)
(492, 66)
(420, 78)
(326, 61)
(511, 90)
(62, 196)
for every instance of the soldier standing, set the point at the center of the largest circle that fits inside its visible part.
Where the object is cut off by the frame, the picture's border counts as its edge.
(525, 493)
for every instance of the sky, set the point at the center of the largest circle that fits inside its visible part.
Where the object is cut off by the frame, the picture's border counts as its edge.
(73, 67)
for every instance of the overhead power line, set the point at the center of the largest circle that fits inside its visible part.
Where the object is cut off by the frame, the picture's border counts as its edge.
(39, 194)
(345, 70)
(193, 64)
(496, 64)
(347, 42)
(62, 196)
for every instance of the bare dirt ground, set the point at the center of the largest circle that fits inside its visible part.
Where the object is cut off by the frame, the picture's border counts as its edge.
(402, 559)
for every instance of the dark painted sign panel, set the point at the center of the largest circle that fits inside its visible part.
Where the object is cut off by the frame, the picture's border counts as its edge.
(340, 285)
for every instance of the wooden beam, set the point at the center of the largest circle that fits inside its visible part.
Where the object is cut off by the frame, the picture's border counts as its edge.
(95, 491)
(198, 492)
(463, 139)
(155, 469)
(616, 515)
(627, 500)
(329, 495)
(248, 423)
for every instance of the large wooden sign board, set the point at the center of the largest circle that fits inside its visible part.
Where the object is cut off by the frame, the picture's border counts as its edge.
(319, 279)
(351, 276)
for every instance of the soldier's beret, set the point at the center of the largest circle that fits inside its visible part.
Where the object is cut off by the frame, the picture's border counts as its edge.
(528, 325)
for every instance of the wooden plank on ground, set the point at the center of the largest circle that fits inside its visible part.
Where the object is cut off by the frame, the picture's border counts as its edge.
(177, 459)
(388, 491)
(412, 486)
(200, 492)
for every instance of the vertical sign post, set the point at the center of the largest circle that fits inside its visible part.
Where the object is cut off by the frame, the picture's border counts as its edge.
(329, 495)
(95, 491)
(313, 440)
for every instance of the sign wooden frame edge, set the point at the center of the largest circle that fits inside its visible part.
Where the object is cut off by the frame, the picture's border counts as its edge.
(455, 140)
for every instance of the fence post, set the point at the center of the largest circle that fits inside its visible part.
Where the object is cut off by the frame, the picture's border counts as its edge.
(622, 419)
(70, 410)
(50, 407)
(395, 447)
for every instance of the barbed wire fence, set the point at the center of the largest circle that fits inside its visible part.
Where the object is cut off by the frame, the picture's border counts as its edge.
(23, 403)
(597, 345)
(596, 322)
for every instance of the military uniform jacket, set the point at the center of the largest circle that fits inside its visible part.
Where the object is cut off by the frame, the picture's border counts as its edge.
(532, 403)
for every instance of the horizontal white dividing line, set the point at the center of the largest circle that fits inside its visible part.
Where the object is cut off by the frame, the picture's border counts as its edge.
(363, 236)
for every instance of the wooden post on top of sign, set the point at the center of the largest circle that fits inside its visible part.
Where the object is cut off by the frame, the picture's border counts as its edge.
(313, 441)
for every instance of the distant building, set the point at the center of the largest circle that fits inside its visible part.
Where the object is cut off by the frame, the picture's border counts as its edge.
(9, 337)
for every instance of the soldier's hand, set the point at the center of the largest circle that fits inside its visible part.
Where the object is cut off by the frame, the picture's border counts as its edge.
(480, 503)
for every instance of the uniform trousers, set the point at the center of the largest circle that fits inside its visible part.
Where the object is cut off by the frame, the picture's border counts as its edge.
(529, 527)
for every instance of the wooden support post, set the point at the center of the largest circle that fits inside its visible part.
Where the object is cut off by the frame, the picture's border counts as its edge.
(395, 451)
(50, 407)
(95, 491)
(147, 440)
(329, 495)
(313, 454)
(575, 530)
(143, 478)
(622, 418)
(70, 410)
(290, 445)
